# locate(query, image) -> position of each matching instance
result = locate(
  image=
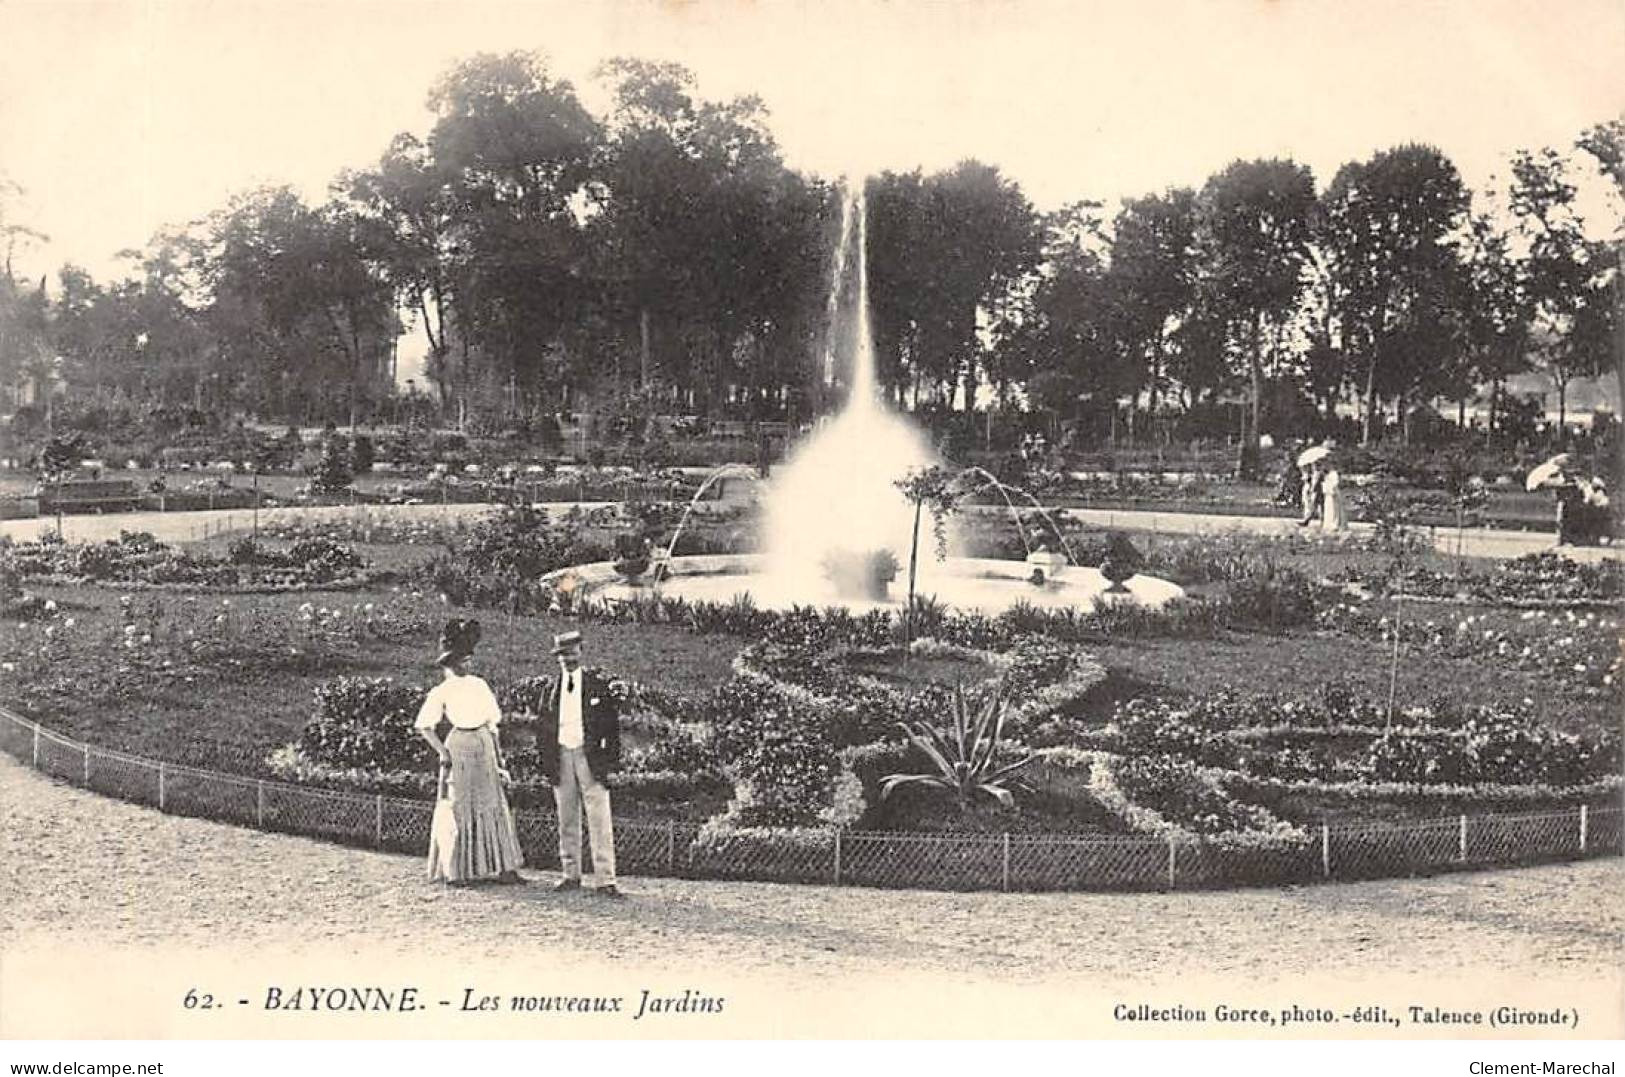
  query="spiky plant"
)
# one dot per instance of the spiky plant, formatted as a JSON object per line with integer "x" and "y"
{"x": 966, "y": 752}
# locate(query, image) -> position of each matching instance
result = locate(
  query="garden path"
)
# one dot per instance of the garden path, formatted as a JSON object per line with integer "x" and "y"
{"x": 183, "y": 526}
{"x": 87, "y": 870}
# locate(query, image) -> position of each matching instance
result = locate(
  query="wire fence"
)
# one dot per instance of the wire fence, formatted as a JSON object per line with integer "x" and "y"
{"x": 1028, "y": 862}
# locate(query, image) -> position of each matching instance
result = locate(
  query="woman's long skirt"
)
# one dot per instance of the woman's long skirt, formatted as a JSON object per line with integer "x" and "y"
{"x": 486, "y": 843}
{"x": 1335, "y": 516}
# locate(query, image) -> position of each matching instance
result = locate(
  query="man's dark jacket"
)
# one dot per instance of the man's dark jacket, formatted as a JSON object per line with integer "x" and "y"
{"x": 600, "y": 726}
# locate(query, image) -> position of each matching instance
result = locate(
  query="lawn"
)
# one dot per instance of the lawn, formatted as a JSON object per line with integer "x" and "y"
{"x": 248, "y": 686}
{"x": 252, "y": 689}
{"x": 222, "y": 680}
{"x": 1298, "y": 667}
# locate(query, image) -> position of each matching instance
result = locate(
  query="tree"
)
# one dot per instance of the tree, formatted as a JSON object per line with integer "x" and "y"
{"x": 412, "y": 202}
{"x": 13, "y": 233}
{"x": 655, "y": 187}
{"x": 927, "y": 488}
{"x": 706, "y": 245}
{"x": 986, "y": 237}
{"x": 514, "y": 151}
{"x": 57, "y": 460}
{"x": 1498, "y": 321}
{"x": 945, "y": 252}
{"x": 1568, "y": 325}
{"x": 1606, "y": 144}
{"x": 1252, "y": 237}
{"x": 334, "y": 471}
{"x": 1151, "y": 276}
{"x": 898, "y": 288}
{"x": 1387, "y": 229}
{"x": 298, "y": 303}
{"x": 1077, "y": 337}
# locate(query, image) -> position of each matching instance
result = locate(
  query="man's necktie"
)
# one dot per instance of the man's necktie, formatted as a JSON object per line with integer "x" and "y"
{"x": 569, "y": 682}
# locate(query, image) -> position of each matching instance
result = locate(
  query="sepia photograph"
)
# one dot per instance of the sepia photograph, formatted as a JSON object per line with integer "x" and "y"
{"x": 718, "y": 520}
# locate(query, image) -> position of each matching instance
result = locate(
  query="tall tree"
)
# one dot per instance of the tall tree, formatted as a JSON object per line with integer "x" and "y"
{"x": 945, "y": 252}
{"x": 706, "y": 237}
{"x": 517, "y": 150}
{"x": 1252, "y": 238}
{"x": 898, "y": 288}
{"x": 986, "y": 238}
{"x": 1152, "y": 263}
{"x": 1606, "y": 299}
{"x": 1076, "y": 335}
{"x": 298, "y": 305}
{"x": 1388, "y": 232}
{"x": 1568, "y": 331}
{"x": 413, "y": 203}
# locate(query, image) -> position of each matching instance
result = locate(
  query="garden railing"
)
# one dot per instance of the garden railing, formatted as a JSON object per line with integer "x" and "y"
{"x": 935, "y": 861}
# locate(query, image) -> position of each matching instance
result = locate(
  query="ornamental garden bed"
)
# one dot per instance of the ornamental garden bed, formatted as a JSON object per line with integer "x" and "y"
{"x": 138, "y": 559}
{"x": 756, "y": 723}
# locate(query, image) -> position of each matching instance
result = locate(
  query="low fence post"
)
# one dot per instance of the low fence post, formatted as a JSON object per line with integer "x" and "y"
{"x": 259, "y": 803}
{"x": 87, "y": 764}
{"x": 1325, "y": 851}
{"x": 378, "y": 821}
{"x": 1170, "y": 863}
{"x": 1005, "y": 874}
{"x": 1461, "y": 841}
{"x": 1583, "y": 822}
{"x": 671, "y": 846}
{"x": 163, "y": 776}
{"x": 36, "y": 745}
{"x": 837, "y": 856}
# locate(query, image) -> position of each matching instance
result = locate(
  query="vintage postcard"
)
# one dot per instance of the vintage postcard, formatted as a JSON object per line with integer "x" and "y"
{"x": 904, "y": 520}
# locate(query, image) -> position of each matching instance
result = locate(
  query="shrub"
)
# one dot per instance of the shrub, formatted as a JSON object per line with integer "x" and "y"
{"x": 365, "y": 722}
{"x": 1275, "y": 599}
{"x": 11, "y": 581}
{"x": 333, "y": 472}
{"x": 243, "y": 551}
{"x": 1177, "y": 790}
{"x": 776, "y": 750}
{"x": 323, "y": 559}
{"x": 1490, "y": 747}
{"x": 523, "y": 544}
{"x": 362, "y": 454}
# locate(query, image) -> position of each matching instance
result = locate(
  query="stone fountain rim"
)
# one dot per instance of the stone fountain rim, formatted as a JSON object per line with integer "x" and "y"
{"x": 593, "y": 573}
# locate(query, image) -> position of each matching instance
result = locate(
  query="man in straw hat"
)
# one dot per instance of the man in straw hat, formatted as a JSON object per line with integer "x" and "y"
{"x": 580, "y": 741}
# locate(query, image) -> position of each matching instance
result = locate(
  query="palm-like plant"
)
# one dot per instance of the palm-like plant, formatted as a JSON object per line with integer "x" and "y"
{"x": 966, "y": 754}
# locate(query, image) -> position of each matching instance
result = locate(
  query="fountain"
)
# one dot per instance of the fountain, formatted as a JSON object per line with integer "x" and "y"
{"x": 835, "y": 526}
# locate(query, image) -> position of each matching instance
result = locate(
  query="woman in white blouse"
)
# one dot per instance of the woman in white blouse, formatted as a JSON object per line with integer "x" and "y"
{"x": 486, "y": 843}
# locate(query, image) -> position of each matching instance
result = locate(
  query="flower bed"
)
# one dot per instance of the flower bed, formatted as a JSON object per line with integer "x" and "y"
{"x": 1535, "y": 580}
{"x": 1580, "y": 647}
{"x": 136, "y": 558}
{"x": 1342, "y": 747}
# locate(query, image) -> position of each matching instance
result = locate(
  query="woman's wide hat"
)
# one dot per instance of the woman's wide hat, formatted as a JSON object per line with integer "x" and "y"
{"x": 457, "y": 640}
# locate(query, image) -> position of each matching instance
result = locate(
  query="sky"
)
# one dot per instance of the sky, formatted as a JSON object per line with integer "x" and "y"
{"x": 119, "y": 117}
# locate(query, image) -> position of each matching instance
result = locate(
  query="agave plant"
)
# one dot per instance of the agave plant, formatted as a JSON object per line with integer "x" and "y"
{"x": 966, "y": 754}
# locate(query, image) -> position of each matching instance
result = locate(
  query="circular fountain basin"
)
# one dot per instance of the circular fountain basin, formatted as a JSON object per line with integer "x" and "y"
{"x": 966, "y": 583}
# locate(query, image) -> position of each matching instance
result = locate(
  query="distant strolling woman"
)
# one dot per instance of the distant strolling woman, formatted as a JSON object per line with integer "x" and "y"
{"x": 1310, "y": 493}
{"x": 1334, "y": 516}
{"x": 485, "y": 844}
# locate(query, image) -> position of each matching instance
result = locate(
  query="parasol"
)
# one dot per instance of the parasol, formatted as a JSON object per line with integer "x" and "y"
{"x": 1546, "y": 472}
{"x": 1313, "y": 454}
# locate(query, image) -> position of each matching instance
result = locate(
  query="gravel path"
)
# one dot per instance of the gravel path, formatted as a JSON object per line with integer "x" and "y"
{"x": 91, "y": 868}
{"x": 187, "y": 526}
